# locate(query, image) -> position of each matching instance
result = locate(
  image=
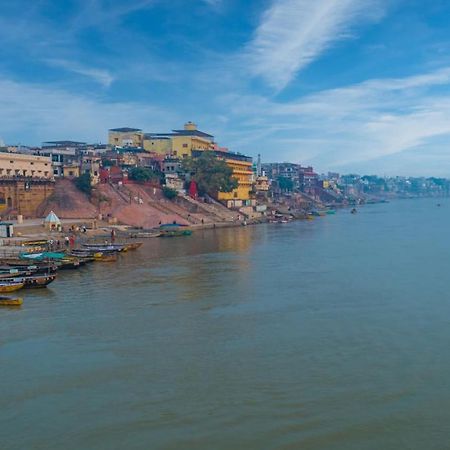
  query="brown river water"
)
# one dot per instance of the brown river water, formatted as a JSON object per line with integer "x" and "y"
{"x": 331, "y": 334}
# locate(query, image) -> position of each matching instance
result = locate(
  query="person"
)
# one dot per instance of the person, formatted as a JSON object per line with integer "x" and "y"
{"x": 67, "y": 241}
{"x": 203, "y": 221}
{"x": 72, "y": 241}
{"x": 113, "y": 235}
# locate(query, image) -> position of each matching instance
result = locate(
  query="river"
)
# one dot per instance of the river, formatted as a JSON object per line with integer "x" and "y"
{"x": 331, "y": 334}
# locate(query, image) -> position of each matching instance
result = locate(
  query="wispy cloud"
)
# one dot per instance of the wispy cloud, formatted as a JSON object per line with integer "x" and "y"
{"x": 57, "y": 114}
{"x": 293, "y": 33}
{"x": 101, "y": 76}
{"x": 353, "y": 127}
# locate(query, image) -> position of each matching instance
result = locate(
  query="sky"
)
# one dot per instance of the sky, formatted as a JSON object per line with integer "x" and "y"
{"x": 358, "y": 86}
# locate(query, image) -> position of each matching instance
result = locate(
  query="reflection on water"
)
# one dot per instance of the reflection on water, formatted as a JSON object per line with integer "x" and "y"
{"x": 323, "y": 335}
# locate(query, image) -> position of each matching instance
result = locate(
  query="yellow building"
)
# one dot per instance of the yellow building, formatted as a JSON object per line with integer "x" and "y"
{"x": 126, "y": 137}
{"x": 159, "y": 144}
{"x": 242, "y": 171}
{"x": 179, "y": 143}
{"x": 71, "y": 171}
{"x": 21, "y": 165}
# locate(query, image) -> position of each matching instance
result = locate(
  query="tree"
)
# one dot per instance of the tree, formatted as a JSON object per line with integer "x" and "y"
{"x": 285, "y": 184}
{"x": 83, "y": 183}
{"x": 211, "y": 174}
{"x": 142, "y": 174}
{"x": 169, "y": 193}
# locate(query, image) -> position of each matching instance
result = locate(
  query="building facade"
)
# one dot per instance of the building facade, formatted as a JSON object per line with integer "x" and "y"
{"x": 20, "y": 165}
{"x": 125, "y": 137}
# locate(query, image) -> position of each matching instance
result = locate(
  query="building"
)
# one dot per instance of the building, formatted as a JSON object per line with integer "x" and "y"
{"x": 19, "y": 165}
{"x": 126, "y": 137}
{"x": 262, "y": 184}
{"x": 309, "y": 180}
{"x": 179, "y": 143}
{"x": 90, "y": 164}
{"x": 242, "y": 171}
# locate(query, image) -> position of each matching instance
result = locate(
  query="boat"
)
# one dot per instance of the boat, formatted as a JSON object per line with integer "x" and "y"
{"x": 106, "y": 247}
{"x": 146, "y": 234}
{"x": 331, "y": 211}
{"x": 353, "y": 211}
{"x": 33, "y": 281}
{"x": 7, "y": 301}
{"x": 174, "y": 229}
{"x": 11, "y": 286}
{"x": 133, "y": 245}
{"x": 106, "y": 256}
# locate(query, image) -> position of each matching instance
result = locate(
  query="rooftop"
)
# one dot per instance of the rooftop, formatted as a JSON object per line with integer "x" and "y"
{"x": 63, "y": 143}
{"x": 125, "y": 130}
{"x": 225, "y": 155}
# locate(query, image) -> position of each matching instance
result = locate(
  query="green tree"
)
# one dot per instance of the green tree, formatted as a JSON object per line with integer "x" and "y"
{"x": 285, "y": 184}
{"x": 142, "y": 174}
{"x": 211, "y": 174}
{"x": 169, "y": 193}
{"x": 83, "y": 183}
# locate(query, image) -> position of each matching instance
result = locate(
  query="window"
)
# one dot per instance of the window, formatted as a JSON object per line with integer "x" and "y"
{"x": 55, "y": 172}
{"x": 185, "y": 146}
{"x": 32, "y": 163}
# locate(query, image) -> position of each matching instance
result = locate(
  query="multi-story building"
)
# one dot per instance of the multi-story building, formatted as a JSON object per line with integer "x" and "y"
{"x": 125, "y": 137}
{"x": 242, "y": 171}
{"x": 179, "y": 143}
{"x": 90, "y": 164}
{"x": 25, "y": 182}
{"x": 20, "y": 165}
{"x": 62, "y": 153}
{"x": 309, "y": 180}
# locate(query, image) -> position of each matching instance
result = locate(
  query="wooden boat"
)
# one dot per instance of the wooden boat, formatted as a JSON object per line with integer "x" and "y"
{"x": 133, "y": 245}
{"x": 33, "y": 281}
{"x": 23, "y": 266}
{"x": 174, "y": 229}
{"x": 68, "y": 263}
{"x": 11, "y": 286}
{"x": 105, "y": 257}
{"x": 106, "y": 247}
{"x": 146, "y": 234}
{"x": 7, "y": 301}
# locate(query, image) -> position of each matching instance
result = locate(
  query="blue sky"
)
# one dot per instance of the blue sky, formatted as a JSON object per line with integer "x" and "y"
{"x": 345, "y": 85}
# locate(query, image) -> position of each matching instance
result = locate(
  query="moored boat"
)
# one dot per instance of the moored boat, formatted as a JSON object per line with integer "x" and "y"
{"x": 10, "y": 286}
{"x": 133, "y": 245}
{"x": 33, "y": 281}
{"x": 7, "y": 301}
{"x": 174, "y": 229}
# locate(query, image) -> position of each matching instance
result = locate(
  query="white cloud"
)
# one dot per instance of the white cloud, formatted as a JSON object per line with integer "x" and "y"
{"x": 293, "y": 33}
{"x": 352, "y": 127}
{"x": 101, "y": 76}
{"x": 53, "y": 114}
